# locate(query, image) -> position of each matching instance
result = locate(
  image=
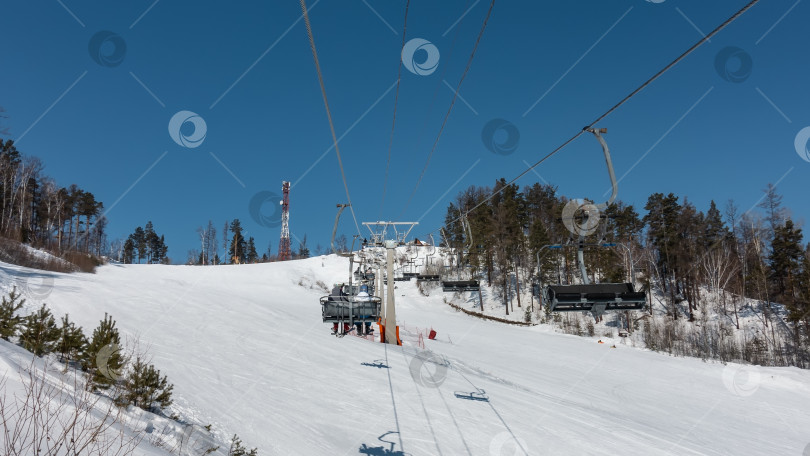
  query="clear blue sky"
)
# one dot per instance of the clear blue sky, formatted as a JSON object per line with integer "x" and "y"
{"x": 246, "y": 69}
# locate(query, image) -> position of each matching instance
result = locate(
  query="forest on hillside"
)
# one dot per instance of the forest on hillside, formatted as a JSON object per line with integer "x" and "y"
{"x": 35, "y": 210}
{"x": 676, "y": 249}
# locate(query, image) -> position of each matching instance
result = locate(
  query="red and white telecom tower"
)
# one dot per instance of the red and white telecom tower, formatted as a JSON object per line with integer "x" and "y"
{"x": 284, "y": 251}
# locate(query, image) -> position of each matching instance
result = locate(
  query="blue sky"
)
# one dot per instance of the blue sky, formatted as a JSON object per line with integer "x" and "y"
{"x": 549, "y": 68}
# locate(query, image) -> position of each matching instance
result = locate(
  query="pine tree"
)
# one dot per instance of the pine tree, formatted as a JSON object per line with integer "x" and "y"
{"x": 800, "y": 310}
{"x": 139, "y": 241}
{"x": 129, "y": 251}
{"x": 145, "y": 388}
{"x": 152, "y": 242}
{"x": 236, "y": 250}
{"x": 303, "y": 250}
{"x": 72, "y": 341}
{"x": 39, "y": 333}
{"x": 786, "y": 258}
{"x": 102, "y": 356}
{"x": 9, "y": 320}
{"x": 251, "y": 255}
{"x": 715, "y": 230}
{"x": 163, "y": 250}
{"x": 237, "y": 449}
{"x": 772, "y": 204}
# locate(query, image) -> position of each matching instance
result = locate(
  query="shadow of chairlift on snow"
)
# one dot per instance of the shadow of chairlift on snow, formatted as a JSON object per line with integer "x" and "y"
{"x": 378, "y": 363}
{"x": 479, "y": 395}
{"x": 382, "y": 451}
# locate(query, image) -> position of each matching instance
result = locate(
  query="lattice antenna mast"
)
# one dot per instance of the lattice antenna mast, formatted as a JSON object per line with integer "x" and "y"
{"x": 284, "y": 250}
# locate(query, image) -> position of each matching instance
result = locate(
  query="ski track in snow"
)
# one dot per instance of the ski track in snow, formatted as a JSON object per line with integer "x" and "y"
{"x": 247, "y": 352}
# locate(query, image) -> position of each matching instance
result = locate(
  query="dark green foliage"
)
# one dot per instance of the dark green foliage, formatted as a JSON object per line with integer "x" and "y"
{"x": 139, "y": 241}
{"x": 237, "y": 449}
{"x": 39, "y": 332}
{"x": 72, "y": 341}
{"x": 714, "y": 229}
{"x": 145, "y": 388}
{"x": 33, "y": 209}
{"x": 148, "y": 244}
{"x": 303, "y": 250}
{"x": 129, "y": 251}
{"x": 251, "y": 255}
{"x": 237, "y": 246}
{"x": 662, "y": 226}
{"x": 800, "y": 309}
{"x": 9, "y": 320}
{"x": 102, "y": 358}
{"x": 786, "y": 260}
{"x": 675, "y": 250}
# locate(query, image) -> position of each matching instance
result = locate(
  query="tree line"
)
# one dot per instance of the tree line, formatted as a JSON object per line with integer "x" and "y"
{"x": 236, "y": 248}
{"x": 35, "y": 210}
{"x": 675, "y": 247}
{"x": 145, "y": 243}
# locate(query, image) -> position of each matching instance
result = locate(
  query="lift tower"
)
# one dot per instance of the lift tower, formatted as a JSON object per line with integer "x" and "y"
{"x": 378, "y": 235}
{"x": 284, "y": 251}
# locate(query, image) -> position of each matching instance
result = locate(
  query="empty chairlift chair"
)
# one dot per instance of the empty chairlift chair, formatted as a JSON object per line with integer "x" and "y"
{"x": 429, "y": 277}
{"x": 592, "y": 297}
{"x": 595, "y": 298}
{"x": 462, "y": 285}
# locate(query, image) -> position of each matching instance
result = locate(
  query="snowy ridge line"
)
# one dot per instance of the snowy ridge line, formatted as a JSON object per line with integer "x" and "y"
{"x": 490, "y": 317}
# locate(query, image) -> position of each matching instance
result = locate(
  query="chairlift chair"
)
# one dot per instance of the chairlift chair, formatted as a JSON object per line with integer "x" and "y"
{"x": 342, "y": 307}
{"x": 429, "y": 277}
{"x": 592, "y": 297}
{"x": 462, "y": 285}
{"x": 346, "y": 304}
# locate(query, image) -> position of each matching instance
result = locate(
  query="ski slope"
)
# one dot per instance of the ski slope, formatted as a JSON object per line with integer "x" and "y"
{"x": 247, "y": 352}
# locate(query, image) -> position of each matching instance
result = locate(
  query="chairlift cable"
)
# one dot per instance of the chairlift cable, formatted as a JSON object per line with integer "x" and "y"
{"x": 305, "y": 13}
{"x": 396, "y": 101}
{"x": 440, "y": 81}
{"x": 617, "y": 105}
{"x": 450, "y": 109}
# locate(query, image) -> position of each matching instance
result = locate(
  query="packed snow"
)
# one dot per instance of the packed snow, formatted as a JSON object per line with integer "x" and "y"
{"x": 247, "y": 352}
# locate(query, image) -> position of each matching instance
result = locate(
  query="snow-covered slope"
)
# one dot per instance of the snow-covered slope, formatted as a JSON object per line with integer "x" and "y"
{"x": 247, "y": 352}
